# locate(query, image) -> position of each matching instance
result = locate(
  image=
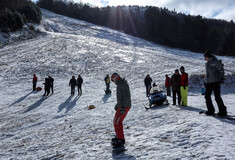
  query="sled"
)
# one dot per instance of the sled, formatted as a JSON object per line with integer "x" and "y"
{"x": 38, "y": 88}
{"x": 91, "y": 107}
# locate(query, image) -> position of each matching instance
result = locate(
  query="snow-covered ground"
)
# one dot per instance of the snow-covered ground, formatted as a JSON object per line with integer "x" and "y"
{"x": 61, "y": 127}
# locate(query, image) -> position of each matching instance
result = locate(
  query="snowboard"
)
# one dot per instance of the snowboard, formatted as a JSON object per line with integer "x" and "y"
{"x": 118, "y": 150}
{"x": 230, "y": 117}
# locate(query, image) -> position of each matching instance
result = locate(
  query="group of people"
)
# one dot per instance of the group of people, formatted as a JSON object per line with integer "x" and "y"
{"x": 73, "y": 83}
{"x": 178, "y": 83}
{"x": 48, "y": 85}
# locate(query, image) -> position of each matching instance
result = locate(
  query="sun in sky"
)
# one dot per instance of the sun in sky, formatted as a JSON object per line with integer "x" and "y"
{"x": 211, "y": 9}
{"x": 219, "y": 9}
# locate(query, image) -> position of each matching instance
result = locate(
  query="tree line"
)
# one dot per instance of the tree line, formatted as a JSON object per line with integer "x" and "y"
{"x": 155, "y": 24}
{"x": 15, "y": 13}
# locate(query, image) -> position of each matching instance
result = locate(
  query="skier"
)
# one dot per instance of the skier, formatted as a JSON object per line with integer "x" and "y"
{"x": 51, "y": 84}
{"x": 35, "y": 79}
{"x": 214, "y": 77}
{"x": 183, "y": 86}
{"x": 148, "y": 82}
{"x": 47, "y": 85}
{"x": 72, "y": 84}
{"x": 107, "y": 82}
{"x": 122, "y": 107}
{"x": 167, "y": 85}
{"x": 175, "y": 84}
{"x": 79, "y": 83}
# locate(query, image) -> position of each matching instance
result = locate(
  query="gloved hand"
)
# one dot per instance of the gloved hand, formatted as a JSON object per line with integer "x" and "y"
{"x": 184, "y": 87}
{"x": 123, "y": 111}
{"x": 222, "y": 81}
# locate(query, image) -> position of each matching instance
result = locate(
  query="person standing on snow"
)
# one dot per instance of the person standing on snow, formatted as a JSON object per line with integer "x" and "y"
{"x": 107, "y": 83}
{"x": 35, "y": 79}
{"x": 175, "y": 84}
{"x": 72, "y": 84}
{"x": 79, "y": 83}
{"x": 184, "y": 87}
{"x": 122, "y": 107}
{"x": 167, "y": 85}
{"x": 214, "y": 77}
{"x": 148, "y": 82}
{"x": 51, "y": 84}
{"x": 47, "y": 86}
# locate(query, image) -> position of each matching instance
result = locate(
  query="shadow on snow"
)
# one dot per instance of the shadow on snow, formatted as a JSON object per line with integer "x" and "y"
{"x": 36, "y": 104}
{"x": 106, "y": 97}
{"x": 189, "y": 108}
{"x": 21, "y": 99}
{"x": 68, "y": 104}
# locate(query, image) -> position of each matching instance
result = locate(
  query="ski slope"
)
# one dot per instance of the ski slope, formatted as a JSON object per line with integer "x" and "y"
{"x": 61, "y": 126}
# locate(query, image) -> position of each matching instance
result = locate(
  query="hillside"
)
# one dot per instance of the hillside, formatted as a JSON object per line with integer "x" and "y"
{"x": 61, "y": 127}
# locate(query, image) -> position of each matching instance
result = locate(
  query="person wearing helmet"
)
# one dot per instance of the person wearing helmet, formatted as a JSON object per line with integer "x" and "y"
{"x": 122, "y": 107}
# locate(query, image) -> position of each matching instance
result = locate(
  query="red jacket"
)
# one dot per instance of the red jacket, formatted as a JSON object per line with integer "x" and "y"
{"x": 167, "y": 81}
{"x": 184, "y": 79}
{"x": 35, "y": 78}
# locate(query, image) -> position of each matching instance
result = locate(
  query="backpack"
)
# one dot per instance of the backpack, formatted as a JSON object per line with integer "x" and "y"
{"x": 221, "y": 70}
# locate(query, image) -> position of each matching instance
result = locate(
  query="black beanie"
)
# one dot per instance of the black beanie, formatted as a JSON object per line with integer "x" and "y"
{"x": 207, "y": 54}
{"x": 182, "y": 68}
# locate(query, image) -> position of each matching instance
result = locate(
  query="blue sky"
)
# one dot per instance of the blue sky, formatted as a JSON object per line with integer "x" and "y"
{"x": 220, "y": 9}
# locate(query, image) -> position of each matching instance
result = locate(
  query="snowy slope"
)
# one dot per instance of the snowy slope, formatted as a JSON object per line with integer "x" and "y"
{"x": 61, "y": 127}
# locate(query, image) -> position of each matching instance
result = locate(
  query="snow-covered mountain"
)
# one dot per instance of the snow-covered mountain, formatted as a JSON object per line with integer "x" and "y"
{"x": 61, "y": 126}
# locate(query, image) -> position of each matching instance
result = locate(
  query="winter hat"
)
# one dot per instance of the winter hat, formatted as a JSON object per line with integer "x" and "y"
{"x": 182, "y": 68}
{"x": 115, "y": 76}
{"x": 207, "y": 54}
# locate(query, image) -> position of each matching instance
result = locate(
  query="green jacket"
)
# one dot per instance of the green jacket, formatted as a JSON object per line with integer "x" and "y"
{"x": 123, "y": 95}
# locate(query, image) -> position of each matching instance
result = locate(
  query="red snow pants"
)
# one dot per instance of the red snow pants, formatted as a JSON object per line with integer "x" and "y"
{"x": 117, "y": 122}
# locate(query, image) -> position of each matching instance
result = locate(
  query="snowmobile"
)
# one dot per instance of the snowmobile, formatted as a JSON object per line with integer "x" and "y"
{"x": 157, "y": 97}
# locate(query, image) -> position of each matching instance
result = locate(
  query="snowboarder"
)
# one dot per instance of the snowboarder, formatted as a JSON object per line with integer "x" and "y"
{"x": 72, "y": 84}
{"x": 107, "y": 82}
{"x": 35, "y": 79}
{"x": 148, "y": 82}
{"x": 175, "y": 84}
{"x": 183, "y": 86}
{"x": 214, "y": 77}
{"x": 167, "y": 85}
{"x": 79, "y": 83}
{"x": 122, "y": 107}
{"x": 51, "y": 83}
{"x": 47, "y": 86}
